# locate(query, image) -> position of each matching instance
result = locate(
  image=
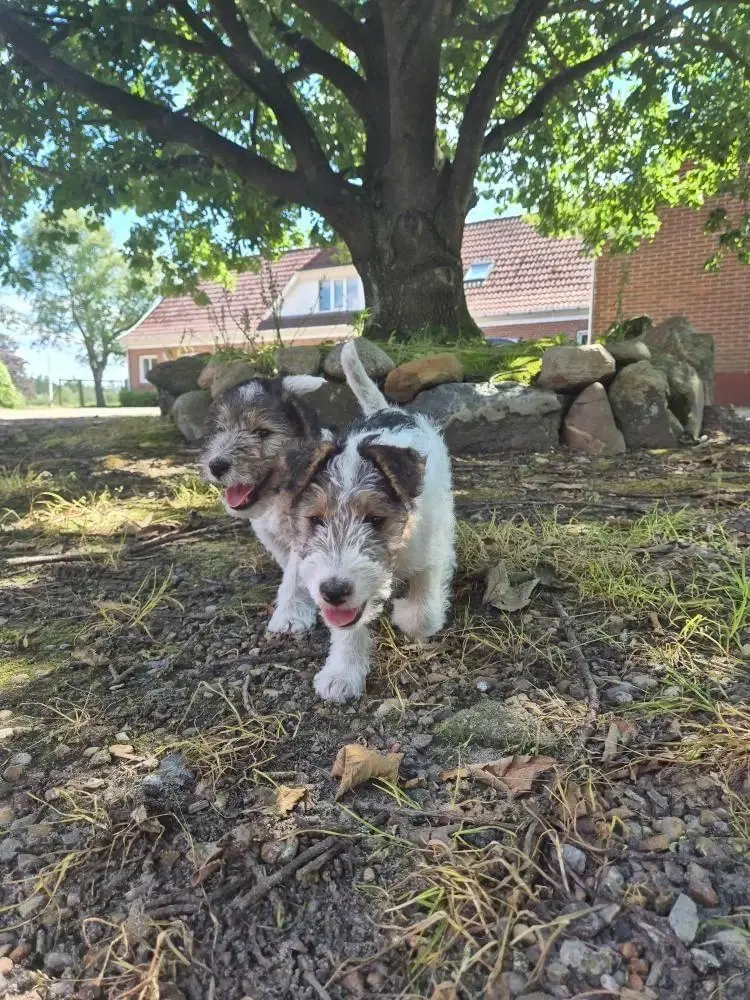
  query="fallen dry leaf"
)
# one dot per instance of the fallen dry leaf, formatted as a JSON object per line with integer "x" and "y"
{"x": 149, "y": 824}
{"x": 123, "y": 751}
{"x": 509, "y": 774}
{"x": 507, "y": 595}
{"x": 288, "y": 796}
{"x": 356, "y": 764}
{"x": 444, "y": 991}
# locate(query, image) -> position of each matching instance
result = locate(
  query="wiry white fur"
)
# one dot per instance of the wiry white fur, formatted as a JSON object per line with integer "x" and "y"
{"x": 426, "y": 562}
{"x": 369, "y": 397}
{"x": 295, "y": 611}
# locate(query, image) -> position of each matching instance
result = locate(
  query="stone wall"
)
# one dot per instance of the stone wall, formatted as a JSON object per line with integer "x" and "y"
{"x": 648, "y": 391}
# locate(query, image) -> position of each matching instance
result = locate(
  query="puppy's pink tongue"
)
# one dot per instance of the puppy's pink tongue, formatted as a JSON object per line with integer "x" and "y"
{"x": 340, "y": 616}
{"x": 239, "y": 496}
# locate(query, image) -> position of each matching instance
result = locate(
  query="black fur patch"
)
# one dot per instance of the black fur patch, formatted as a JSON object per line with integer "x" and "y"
{"x": 402, "y": 469}
{"x": 383, "y": 420}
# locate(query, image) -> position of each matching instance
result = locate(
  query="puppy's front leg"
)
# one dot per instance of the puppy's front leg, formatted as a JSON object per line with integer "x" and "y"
{"x": 295, "y": 609}
{"x": 344, "y": 672}
{"x": 422, "y": 612}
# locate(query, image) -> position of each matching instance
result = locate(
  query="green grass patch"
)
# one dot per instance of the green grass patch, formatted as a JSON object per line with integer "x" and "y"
{"x": 108, "y": 512}
{"x": 139, "y": 436}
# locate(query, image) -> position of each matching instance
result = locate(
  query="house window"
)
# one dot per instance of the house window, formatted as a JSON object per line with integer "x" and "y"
{"x": 582, "y": 337}
{"x": 145, "y": 363}
{"x": 477, "y": 271}
{"x": 338, "y": 295}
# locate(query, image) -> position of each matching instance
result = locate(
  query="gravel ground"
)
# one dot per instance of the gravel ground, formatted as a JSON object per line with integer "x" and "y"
{"x": 570, "y": 816}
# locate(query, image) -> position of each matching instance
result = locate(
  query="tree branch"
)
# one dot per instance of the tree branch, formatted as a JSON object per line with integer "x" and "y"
{"x": 315, "y": 60}
{"x": 158, "y": 121}
{"x": 705, "y": 39}
{"x": 506, "y": 52}
{"x": 337, "y": 22}
{"x": 250, "y": 64}
{"x": 479, "y": 30}
{"x": 496, "y": 138}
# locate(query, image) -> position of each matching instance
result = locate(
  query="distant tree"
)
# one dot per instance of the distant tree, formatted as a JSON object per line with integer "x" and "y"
{"x": 15, "y": 363}
{"x": 81, "y": 288}
{"x": 10, "y": 397}
{"x": 219, "y": 121}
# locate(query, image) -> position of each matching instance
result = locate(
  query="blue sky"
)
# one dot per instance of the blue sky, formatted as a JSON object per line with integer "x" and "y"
{"x": 61, "y": 363}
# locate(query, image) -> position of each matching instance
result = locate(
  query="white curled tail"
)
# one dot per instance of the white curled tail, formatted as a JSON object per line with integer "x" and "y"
{"x": 369, "y": 397}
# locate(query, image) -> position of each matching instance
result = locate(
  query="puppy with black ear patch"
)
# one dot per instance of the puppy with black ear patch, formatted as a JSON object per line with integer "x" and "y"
{"x": 250, "y": 429}
{"x": 370, "y": 509}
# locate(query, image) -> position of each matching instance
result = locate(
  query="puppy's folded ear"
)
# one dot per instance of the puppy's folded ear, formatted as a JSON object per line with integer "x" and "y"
{"x": 304, "y": 465}
{"x": 301, "y": 385}
{"x": 401, "y": 468}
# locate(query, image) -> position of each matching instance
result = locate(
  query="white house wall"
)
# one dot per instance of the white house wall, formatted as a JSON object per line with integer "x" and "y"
{"x": 301, "y": 298}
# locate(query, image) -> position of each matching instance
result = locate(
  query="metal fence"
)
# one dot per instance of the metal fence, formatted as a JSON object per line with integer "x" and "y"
{"x": 79, "y": 392}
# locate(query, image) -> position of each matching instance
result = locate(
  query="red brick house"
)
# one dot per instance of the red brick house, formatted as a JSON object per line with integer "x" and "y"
{"x": 518, "y": 284}
{"x": 666, "y": 276}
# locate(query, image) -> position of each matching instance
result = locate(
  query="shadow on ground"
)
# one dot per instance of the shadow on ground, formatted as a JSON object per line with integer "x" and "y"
{"x": 167, "y": 804}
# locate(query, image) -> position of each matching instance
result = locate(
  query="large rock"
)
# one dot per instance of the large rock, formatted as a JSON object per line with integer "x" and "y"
{"x": 376, "y": 361}
{"x": 408, "y": 380}
{"x": 504, "y": 725}
{"x": 590, "y": 425}
{"x": 227, "y": 374}
{"x": 180, "y": 375}
{"x": 336, "y": 405}
{"x": 686, "y": 393}
{"x": 189, "y": 413}
{"x": 676, "y": 336}
{"x": 627, "y": 352}
{"x": 493, "y": 418}
{"x": 570, "y": 367}
{"x": 298, "y": 360}
{"x": 639, "y": 400}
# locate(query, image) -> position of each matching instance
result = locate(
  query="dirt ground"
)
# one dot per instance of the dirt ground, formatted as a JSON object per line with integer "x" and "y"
{"x": 571, "y": 812}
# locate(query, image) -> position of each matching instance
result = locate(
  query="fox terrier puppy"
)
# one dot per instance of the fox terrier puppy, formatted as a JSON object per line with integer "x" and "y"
{"x": 370, "y": 509}
{"x": 250, "y": 429}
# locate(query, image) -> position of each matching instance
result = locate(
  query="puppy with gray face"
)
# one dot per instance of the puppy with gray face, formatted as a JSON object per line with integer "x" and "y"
{"x": 250, "y": 429}
{"x": 368, "y": 510}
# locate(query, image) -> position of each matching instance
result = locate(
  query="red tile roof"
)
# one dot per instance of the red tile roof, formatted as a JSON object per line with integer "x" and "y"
{"x": 530, "y": 274}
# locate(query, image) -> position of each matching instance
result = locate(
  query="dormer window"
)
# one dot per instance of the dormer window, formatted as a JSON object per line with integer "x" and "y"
{"x": 338, "y": 295}
{"x": 477, "y": 272}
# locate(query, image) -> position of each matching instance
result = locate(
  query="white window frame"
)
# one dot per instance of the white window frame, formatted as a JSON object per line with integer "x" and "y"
{"x": 489, "y": 264}
{"x": 582, "y": 338}
{"x": 349, "y": 285}
{"x": 142, "y": 371}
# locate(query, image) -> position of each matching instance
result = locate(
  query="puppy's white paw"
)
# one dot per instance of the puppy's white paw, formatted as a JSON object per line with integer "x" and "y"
{"x": 296, "y": 620}
{"x": 333, "y": 685}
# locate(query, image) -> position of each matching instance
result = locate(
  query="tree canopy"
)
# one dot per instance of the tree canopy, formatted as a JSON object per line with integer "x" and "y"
{"x": 81, "y": 288}
{"x": 218, "y": 122}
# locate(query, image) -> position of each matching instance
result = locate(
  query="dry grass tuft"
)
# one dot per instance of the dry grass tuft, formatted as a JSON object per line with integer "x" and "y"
{"x": 137, "y": 958}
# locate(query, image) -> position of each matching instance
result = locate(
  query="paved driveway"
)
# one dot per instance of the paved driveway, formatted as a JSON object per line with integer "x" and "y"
{"x": 77, "y": 412}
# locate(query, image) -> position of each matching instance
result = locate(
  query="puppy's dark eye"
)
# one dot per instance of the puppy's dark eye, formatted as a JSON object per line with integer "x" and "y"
{"x": 374, "y": 521}
{"x": 262, "y": 433}
{"x": 316, "y": 522}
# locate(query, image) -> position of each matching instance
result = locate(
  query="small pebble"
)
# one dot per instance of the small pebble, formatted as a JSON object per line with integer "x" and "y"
{"x": 6, "y": 966}
{"x": 683, "y": 919}
{"x": 57, "y": 962}
{"x": 574, "y": 858}
{"x": 672, "y": 827}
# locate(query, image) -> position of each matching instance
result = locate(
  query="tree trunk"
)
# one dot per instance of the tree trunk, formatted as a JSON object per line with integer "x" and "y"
{"x": 99, "y": 389}
{"x": 413, "y": 278}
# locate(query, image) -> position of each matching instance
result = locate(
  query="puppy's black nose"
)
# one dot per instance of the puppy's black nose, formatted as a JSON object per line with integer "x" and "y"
{"x": 335, "y": 591}
{"x": 219, "y": 466}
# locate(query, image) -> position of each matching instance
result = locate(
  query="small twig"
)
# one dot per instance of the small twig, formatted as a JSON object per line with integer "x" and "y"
{"x": 165, "y": 539}
{"x": 60, "y": 557}
{"x": 448, "y": 816}
{"x": 589, "y": 723}
{"x": 246, "y": 695}
{"x": 312, "y": 979}
{"x": 331, "y": 845}
{"x": 173, "y": 910}
{"x": 121, "y": 677}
